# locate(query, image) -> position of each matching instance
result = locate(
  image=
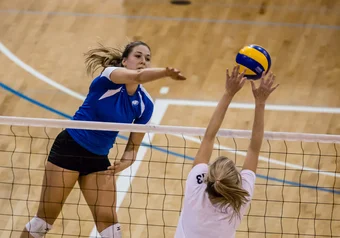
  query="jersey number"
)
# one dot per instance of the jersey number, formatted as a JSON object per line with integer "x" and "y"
{"x": 200, "y": 178}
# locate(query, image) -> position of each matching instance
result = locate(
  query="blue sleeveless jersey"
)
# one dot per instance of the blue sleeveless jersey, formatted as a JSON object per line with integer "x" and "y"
{"x": 109, "y": 102}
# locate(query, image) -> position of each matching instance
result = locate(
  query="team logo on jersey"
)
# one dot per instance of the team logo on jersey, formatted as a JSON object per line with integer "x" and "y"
{"x": 135, "y": 102}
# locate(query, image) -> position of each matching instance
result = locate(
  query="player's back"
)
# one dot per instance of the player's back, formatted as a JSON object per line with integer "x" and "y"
{"x": 199, "y": 217}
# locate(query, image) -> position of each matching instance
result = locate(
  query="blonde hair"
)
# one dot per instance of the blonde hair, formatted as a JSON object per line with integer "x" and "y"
{"x": 224, "y": 185}
{"x": 104, "y": 56}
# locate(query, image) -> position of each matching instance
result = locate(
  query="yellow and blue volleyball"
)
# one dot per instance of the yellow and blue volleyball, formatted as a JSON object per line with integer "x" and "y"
{"x": 254, "y": 59}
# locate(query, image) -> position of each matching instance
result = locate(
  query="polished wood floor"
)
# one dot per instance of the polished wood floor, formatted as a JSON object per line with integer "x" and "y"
{"x": 201, "y": 39}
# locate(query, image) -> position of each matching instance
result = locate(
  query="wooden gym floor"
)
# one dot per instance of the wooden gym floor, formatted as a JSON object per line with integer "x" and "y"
{"x": 45, "y": 40}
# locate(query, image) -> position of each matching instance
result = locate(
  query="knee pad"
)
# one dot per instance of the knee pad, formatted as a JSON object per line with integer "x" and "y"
{"x": 112, "y": 232}
{"x": 37, "y": 227}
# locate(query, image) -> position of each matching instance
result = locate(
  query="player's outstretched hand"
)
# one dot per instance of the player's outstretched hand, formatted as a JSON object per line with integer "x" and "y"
{"x": 262, "y": 92}
{"x": 175, "y": 74}
{"x": 235, "y": 81}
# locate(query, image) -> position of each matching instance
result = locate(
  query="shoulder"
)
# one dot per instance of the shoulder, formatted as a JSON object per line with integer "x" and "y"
{"x": 103, "y": 82}
{"x": 195, "y": 183}
{"x": 107, "y": 71}
{"x": 247, "y": 174}
{"x": 200, "y": 168}
{"x": 196, "y": 175}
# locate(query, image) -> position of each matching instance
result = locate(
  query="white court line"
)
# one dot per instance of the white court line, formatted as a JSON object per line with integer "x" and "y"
{"x": 38, "y": 75}
{"x": 270, "y": 107}
{"x": 262, "y": 158}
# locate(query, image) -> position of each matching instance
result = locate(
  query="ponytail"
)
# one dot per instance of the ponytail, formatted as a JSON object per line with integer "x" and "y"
{"x": 224, "y": 186}
{"x": 102, "y": 57}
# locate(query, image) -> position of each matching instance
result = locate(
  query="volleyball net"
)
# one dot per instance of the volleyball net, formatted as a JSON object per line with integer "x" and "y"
{"x": 297, "y": 190}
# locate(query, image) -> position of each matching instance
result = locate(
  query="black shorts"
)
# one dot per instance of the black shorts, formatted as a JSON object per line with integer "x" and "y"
{"x": 68, "y": 154}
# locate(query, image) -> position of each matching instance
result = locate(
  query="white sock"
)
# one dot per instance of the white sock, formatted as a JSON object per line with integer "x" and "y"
{"x": 112, "y": 232}
{"x": 37, "y": 227}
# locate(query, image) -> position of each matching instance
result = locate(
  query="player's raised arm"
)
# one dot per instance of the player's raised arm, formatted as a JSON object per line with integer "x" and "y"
{"x": 260, "y": 94}
{"x": 234, "y": 83}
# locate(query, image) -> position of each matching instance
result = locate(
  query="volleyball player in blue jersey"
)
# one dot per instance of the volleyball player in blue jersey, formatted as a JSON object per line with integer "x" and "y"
{"x": 116, "y": 95}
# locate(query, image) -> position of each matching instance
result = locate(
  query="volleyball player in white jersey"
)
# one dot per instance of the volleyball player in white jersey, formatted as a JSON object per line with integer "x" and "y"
{"x": 217, "y": 195}
{"x": 115, "y": 95}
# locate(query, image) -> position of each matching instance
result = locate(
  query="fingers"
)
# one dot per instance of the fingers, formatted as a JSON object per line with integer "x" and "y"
{"x": 113, "y": 168}
{"x": 241, "y": 75}
{"x": 172, "y": 70}
{"x": 274, "y": 88}
{"x": 236, "y": 81}
{"x": 271, "y": 80}
{"x": 181, "y": 77}
{"x": 243, "y": 81}
{"x": 267, "y": 83}
{"x": 253, "y": 87}
{"x": 267, "y": 80}
{"x": 236, "y": 71}
{"x": 175, "y": 74}
{"x": 110, "y": 170}
{"x": 235, "y": 75}
{"x": 262, "y": 79}
{"x": 227, "y": 74}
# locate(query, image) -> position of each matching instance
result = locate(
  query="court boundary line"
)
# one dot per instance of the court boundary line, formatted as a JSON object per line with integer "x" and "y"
{"x": 269, "y": 107}
{"x": 37, "y": 74}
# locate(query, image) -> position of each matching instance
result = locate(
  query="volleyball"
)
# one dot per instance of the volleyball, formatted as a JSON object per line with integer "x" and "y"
{"x": 254, "y": 59}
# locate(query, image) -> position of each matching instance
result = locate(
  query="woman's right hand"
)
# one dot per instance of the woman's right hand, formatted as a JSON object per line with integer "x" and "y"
{"x": 174, "y": 74}
{"x": 235, "y": 81}
{"x": 265, "y": 89}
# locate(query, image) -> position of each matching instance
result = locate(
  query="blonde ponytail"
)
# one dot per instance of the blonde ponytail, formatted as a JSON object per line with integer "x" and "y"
{"x": 102, "y": 57}
{"x": 224, "y": 186}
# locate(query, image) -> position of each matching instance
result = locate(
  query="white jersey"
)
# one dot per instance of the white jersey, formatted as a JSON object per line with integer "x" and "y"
{"x": 199, "y": 217}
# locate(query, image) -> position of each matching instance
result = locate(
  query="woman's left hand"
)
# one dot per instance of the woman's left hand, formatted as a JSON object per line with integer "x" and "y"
{"x": 113, "y": 169}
